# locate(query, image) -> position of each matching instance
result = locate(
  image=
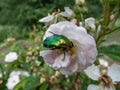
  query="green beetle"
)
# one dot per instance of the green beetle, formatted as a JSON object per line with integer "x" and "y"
{"x": 58, "y": 42}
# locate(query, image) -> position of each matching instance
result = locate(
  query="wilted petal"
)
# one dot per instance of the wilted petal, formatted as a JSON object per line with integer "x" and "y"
{"x": 68, "y": 12}
{"x": 90, "y": 22}
{"x": 47, "y": 19}
{"x": 114, "y": 72}
{"x": 64, "y": 14}
{"x": 93, "y": 72}
{"x": 93, "y": 87}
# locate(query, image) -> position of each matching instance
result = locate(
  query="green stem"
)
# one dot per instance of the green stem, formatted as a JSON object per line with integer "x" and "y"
{"x": 106, "y": 14}
{"x": 76, "y": 83}
{"x": 105, "y": 22}
{"x": 112, "y": 30}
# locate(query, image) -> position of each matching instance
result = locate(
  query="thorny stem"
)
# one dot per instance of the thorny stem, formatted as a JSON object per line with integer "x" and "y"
{"x": 76, "y": 83}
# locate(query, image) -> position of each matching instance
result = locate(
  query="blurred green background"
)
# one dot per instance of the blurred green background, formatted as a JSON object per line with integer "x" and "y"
{"x": 17, "y": 17}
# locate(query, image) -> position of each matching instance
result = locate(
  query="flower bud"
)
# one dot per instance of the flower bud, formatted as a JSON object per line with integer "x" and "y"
{"x": 112, "y": 16}
{"x": 53, "y": 79}
{"x": 42, "y": 79}
{"x": 30, "y": 53}
{"x": 80, "y": 2}
{"x": 74, "y": 21}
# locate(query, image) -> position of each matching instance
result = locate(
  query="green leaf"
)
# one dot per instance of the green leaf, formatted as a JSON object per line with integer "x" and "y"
{"x": 113, "y": 51}
{"x": 44, "y": 86}
{"x": 29, "y": 83}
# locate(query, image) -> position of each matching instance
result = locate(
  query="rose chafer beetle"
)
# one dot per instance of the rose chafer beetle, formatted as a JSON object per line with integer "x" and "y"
{"x": 58, "y": 42}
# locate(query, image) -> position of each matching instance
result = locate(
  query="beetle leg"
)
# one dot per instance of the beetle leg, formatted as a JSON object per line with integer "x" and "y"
{"x": 63, "y": 57}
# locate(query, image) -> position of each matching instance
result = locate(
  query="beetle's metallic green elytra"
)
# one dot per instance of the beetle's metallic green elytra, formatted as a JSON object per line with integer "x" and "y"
{"x": 58, "y": 42}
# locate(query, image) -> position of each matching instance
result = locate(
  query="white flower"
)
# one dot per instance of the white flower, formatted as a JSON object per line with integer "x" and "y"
{"x": 14, "y": 78}
{"x": 113, "y": 72}
{"x": 12, "y": 56}
{"x": 90, "y": 23}
{"x": 24, "y": 73}
{"x": 67, "y": 13}
{"x": 79, "y": 57}
{"x": 12, "y": 81}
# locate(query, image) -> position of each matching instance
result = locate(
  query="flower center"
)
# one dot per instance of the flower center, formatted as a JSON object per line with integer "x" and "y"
{"x": 72, "y": 50}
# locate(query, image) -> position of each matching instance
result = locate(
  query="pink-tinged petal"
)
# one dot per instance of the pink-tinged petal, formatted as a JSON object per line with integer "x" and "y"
{"x": 61, "y": 61}
{"x": 87, "y": 50}
{"x": 49, "y": 56}
{"x": 67, "y": 29}
{"x": 81, "y": 57}
{"x": 114, "y": 72}
{"x": 72, "y": 67}
{"x": 90, "y": 56}
{"x": 74, "y": 33}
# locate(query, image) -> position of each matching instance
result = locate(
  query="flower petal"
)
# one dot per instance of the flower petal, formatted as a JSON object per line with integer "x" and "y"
{"x": 67, "y": 13}
{"x": 67, "y": 29}
{"x": 61, "y": 61}
{"x": 72, "y": 67}
{"x": 49, "y": 56}
{"x": 92, "y": 72}
{"x": 114, "y": 72}
{"x": 64, "y": 14}
{"x": 47, "y": 19}
{"x": 68, "y": 10}
{"x": 90, "y": 22}
{"x": 93, "y": 87}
